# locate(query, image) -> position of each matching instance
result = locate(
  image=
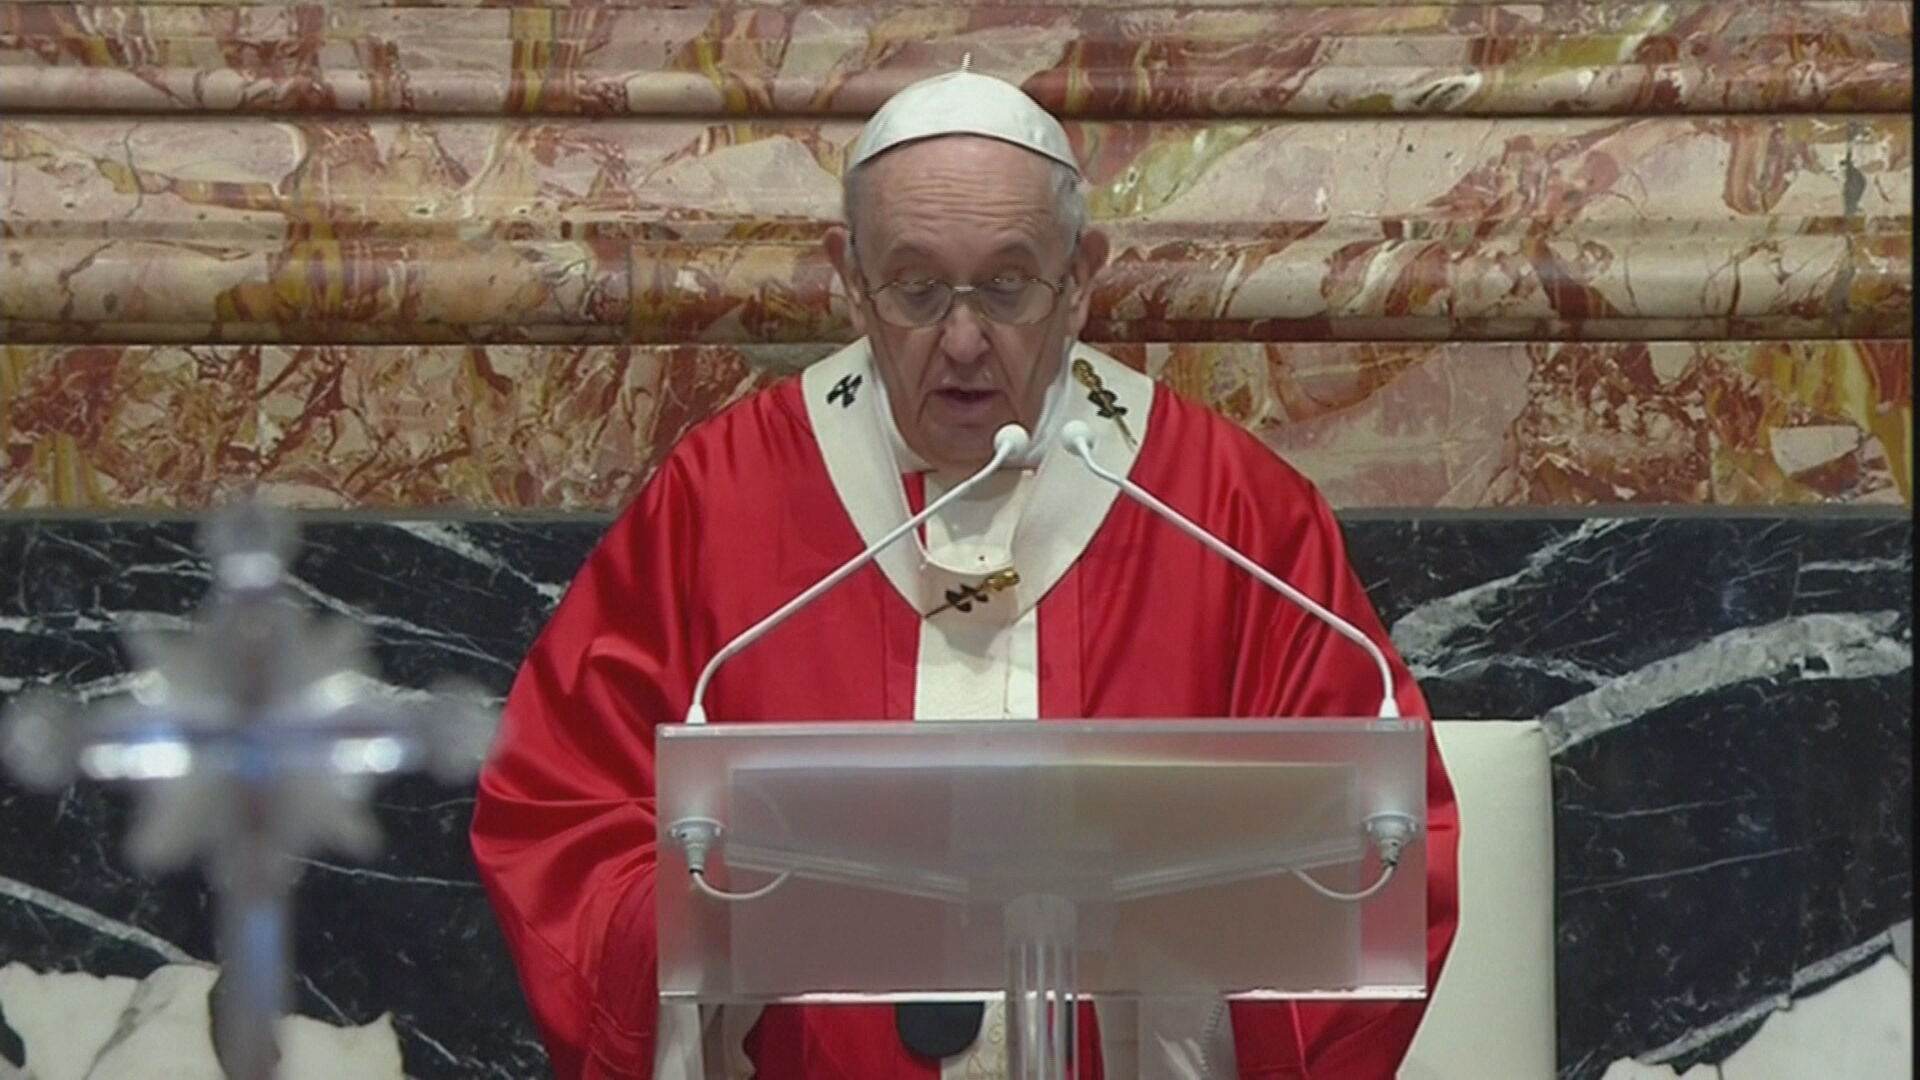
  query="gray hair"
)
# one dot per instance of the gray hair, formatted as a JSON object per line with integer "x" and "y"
{"x": 1069, "y": 199}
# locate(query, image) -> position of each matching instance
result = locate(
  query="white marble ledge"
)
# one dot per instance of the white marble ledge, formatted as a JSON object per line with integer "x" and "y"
{"x": 77, "y": 1026}
{"x": 1860, "y": 1028}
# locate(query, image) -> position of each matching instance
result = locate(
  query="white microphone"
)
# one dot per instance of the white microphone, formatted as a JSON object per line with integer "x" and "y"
{"x": 1078, "y": 439}
{"x": 1009, "y": 442}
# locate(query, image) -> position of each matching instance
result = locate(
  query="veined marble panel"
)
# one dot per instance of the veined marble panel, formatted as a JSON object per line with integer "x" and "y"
{"x": 335, "y": 229}
{"x": 1144, "y": 61}
{"x": 563, "y": 427}
{"x": 1859, "y": 1027}
{"x": 1730, "y": 699}
{"x": 1777, "y": 420}
{"x": 507, "y": 427}
{"x": 1558, "y": 424}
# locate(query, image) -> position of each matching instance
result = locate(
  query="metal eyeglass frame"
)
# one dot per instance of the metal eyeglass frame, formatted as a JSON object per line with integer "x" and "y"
{"x": 954, "y": 292}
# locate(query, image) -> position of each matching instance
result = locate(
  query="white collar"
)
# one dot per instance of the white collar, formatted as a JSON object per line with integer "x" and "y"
{"x": 1059, "y": 517}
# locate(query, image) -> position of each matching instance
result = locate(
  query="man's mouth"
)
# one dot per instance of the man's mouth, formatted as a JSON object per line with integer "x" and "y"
{"x": 965, "y": 400}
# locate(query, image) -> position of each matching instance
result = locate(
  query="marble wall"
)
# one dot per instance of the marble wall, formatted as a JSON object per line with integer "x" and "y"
{"x": 1631, "y": 282}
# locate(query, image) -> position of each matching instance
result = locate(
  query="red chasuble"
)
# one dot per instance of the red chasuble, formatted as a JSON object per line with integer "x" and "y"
{"x": 1116, "y": 615}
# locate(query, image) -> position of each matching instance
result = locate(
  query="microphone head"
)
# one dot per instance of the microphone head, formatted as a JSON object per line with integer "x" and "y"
{"x": 1077, "y": 437}
{"x": 1010, "y": 442}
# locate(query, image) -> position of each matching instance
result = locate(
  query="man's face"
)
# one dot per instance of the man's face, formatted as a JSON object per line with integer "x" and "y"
{"x": 966, "y": 211}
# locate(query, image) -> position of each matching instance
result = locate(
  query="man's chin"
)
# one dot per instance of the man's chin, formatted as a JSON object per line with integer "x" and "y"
{"x": 961, "y": 451}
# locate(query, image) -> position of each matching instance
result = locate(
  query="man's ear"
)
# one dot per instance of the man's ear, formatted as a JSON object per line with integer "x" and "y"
{"x": 1089, "y": 258}
{"x": 839, "y": 245}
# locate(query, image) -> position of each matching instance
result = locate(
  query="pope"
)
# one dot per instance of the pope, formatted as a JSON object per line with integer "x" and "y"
{"x": 969, "y": 264}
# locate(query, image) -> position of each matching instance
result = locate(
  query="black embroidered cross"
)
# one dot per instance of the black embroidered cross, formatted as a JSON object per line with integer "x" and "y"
{"x": 963, "y": 598}
{"x": 1103, "y": 399}
{"x": 844, "y": 390}
{"x": 1109, "y": 405}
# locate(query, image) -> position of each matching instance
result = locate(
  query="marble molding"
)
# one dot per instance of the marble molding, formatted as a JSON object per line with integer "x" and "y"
{"x": 331, "y": 229}
{"x": 1078, "y": 60}
{"x": 1729, "y": 699}
{"x": 511, "y": 427}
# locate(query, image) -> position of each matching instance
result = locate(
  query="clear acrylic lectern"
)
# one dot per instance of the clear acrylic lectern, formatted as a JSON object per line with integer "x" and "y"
{"x": 1043, "y": 862}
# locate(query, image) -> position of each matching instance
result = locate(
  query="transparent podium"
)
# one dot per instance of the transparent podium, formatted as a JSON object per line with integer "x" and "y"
{"x": 1043, "y": 863}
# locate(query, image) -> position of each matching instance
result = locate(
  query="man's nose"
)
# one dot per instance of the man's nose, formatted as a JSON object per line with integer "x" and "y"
{"x": 963, "y": 333}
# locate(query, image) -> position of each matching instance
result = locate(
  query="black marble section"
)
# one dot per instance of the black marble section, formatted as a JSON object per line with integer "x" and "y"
{"x": 1730, "y": 700}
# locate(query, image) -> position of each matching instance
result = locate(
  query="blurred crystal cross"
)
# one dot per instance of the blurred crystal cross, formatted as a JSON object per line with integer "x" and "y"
{"x": 255, "y": 739}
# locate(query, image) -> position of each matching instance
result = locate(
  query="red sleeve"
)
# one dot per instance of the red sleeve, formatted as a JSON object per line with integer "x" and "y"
{"x": 563, "y": 828}
{"x": 1323, "y": 674}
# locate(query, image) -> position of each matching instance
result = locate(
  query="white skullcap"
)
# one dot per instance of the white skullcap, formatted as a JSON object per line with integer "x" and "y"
{"x": 963, "y": 103}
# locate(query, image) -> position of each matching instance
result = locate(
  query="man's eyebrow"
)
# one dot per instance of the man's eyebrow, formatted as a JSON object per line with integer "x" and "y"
{"x": 908, "y": 251}
{"x": 1021, "y": 246}
{"x": 1016, "y": 247}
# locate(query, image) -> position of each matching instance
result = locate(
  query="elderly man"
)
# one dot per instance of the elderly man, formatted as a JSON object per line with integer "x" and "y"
{"x": 969, "y": 265}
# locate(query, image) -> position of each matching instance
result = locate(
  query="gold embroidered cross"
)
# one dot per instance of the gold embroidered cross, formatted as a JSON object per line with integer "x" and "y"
{"x": 963, "y": 598}
{"x": 1104, "y": 399}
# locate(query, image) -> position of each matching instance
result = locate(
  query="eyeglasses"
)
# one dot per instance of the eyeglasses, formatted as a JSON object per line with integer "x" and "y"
{"x": 1015, "y": 299}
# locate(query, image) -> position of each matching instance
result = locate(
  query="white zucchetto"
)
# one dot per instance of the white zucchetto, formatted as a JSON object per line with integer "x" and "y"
{"x": 963, "y": 103}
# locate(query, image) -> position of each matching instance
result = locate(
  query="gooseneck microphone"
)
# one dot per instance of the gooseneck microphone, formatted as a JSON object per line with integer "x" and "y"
{"x": 1078, "y": 439}
{"x": 1009, "y": 442}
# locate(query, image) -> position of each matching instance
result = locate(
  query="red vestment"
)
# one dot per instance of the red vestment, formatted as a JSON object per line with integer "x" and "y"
{"x": 743, "y": 515}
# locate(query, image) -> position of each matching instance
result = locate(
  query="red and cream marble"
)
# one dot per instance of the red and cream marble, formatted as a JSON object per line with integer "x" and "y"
{"x": 512, "y": 427}
{"x": 1570, "y": 424}
{"x": 1814, "y": 422}
{"x": 521, "y": 428}
{"x": 1087, "y": 59}
{"x": 389, "y": 230}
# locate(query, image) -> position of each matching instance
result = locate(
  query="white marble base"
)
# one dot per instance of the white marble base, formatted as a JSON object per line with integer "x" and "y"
{"x": 85, "y": 1027}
